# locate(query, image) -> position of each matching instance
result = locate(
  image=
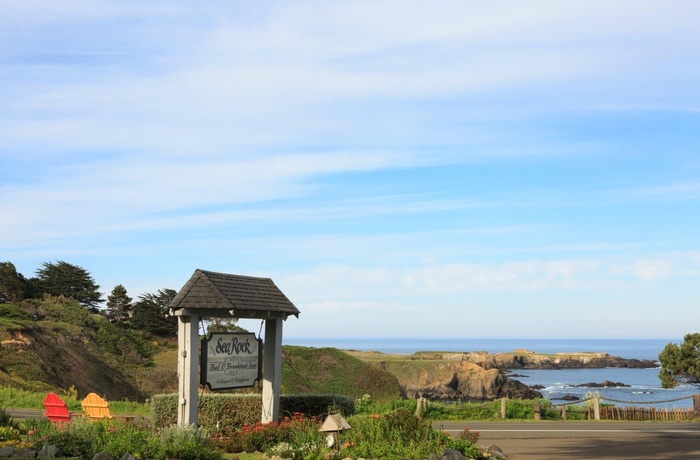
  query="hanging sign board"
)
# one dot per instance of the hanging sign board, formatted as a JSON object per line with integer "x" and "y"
{"x": 230, "y": 360}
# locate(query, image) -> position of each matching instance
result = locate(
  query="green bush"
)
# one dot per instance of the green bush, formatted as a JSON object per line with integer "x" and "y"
{"x": 14, "y": 311}
{"x": 80, "y": 438}
{"x": 296, "y": 437}
{"x": 316, "y": 405}
{"x": 184, "y": 443}
{"x": 399, "y": 434}
{"x": 60, "y": 308}
{"x": 521, "y": 409}
{"x": 463, "y": 411}
{"x": 7, "y": 421}
{"x": 8, "y": 433}
{"x": 367, "y": 405}
{"x": 217, "y": 412}
{"x": 83, "y": 438}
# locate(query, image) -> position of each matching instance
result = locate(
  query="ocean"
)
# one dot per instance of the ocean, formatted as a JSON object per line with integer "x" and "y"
{"x": 644, "y": 390}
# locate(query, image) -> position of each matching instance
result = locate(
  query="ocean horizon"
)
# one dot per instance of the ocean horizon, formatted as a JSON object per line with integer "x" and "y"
{"x": 624, "y": 348}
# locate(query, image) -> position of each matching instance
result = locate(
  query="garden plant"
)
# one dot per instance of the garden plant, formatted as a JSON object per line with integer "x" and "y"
{"x": 379, "y": 429}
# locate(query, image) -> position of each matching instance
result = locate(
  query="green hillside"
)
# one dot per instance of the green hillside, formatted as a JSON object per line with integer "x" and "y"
{"x": 56, "y": 343}
{"x": 71, "y": 347}
{"x": 329, "y": 370}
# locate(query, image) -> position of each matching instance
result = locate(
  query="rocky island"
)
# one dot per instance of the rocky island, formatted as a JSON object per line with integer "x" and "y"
{"x": 481, "y": 376}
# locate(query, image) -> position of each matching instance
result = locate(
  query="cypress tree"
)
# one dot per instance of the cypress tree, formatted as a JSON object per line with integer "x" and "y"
{"x": 70, "y": 281}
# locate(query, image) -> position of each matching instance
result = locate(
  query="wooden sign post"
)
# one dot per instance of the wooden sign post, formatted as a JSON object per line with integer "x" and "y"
{"x": 237, "y": 359}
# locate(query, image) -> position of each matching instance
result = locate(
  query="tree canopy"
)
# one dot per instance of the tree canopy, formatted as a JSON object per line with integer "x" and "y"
{"x": 150, "y": 313}
{"x": 681, "y": 364}
{"x": 13, "y": 286}
{"x": 118, "y": 305}
{"x": 62, "y": 278}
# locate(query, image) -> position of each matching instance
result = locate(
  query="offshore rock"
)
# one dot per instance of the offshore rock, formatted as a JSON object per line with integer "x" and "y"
{"x": 567, "y": 398}
{"x": 606, "y": 384}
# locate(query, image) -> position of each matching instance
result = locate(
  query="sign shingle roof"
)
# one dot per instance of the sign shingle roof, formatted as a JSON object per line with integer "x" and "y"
{"x": 222, "y": 291}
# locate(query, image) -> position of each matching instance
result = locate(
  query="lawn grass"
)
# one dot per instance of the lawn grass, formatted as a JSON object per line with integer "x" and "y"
{"x": 14, "y": 398}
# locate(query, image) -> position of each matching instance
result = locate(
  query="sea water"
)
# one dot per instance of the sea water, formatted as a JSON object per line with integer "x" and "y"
{"x": 631, "y": 348}
{"x": 644, "y": 390}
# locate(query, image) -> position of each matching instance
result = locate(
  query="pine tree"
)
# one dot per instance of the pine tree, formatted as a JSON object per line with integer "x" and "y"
{"x": 119, "y": 305}
{"x": 681, "y": 364}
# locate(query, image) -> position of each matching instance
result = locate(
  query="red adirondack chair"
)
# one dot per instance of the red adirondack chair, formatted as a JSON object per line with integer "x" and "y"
{"x": 56, "y": 409}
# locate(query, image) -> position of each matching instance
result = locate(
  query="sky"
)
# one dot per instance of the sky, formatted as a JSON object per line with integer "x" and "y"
{"x": 446, "y": 169}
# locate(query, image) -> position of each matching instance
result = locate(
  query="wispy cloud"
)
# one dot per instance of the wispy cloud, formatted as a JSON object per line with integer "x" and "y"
{"x": 370, "y": 155}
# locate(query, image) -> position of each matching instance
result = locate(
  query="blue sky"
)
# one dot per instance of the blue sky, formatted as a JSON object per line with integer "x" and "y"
{"x": 496, "y": 169}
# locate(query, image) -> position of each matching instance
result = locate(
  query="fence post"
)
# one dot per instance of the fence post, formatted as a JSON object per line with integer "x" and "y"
{"x": 563, "y": 412}
{"x": 536, "y": 408}
{"x": 504, "y": 403}
{"x": 596, "y": 408}
{"x": 696, "y": 406}
{"x": 421, "y": 405}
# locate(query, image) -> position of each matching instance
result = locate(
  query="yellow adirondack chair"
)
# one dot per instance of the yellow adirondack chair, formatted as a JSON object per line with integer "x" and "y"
{"x": 95, "y": 407}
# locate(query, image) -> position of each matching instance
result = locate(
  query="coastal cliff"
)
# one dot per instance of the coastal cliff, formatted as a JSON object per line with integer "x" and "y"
{"x": 435, "y": 378}
{"x": 480, "y": 375}
{"x": 459, "y": 381}
{"x": 523, "y": 359}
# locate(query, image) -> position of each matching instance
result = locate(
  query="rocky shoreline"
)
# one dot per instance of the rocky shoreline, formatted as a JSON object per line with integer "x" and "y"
{"x": 481, "y": 376}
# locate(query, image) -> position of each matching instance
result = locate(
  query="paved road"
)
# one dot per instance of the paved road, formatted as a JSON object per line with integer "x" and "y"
{"x": 24, "y": 413}
{"x": 587, "y": 440}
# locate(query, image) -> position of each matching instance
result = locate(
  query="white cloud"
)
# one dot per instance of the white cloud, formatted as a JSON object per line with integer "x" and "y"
{"x": 276, "y": 132}
{"x": 651, "y": 270}
{"x": 277, "y": 78}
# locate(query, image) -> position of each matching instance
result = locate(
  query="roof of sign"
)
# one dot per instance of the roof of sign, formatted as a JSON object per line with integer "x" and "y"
{"x": 241, "y": 296}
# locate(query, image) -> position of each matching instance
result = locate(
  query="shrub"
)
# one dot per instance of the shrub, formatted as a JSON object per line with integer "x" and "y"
{"x": 299, "y": 431}
{"x": 218, "y": 412}
{"x": 80, "y": 438}
{"x": 7, "y": 421}
{"x": 62, "y": 309}
{"x": 363, "y": 404}
{"x": 367, "y": 405}
{"x": 8, "y": 433}
{"x": 83, "y": 438}
{"x": 317, "y": 405}
{"x": 185, "y": 443}
{"x": 14, "y": 311}
{"x": 521, "y": 409}
{"x": 399, "y": 434}
{"x": 463, "y": 411}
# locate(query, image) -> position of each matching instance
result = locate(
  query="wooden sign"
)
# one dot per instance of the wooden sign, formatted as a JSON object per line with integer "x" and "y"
{"x": 230, "y": 360}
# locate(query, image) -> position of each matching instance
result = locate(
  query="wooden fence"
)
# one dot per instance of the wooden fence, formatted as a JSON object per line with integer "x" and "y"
{"x": 645, "y": 413}
{"x": 596, "y": 410}
{"x": 629, "y": 413}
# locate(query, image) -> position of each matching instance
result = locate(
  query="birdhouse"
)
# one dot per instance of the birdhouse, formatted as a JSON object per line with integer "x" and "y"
{"x": 334, "y": 424}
